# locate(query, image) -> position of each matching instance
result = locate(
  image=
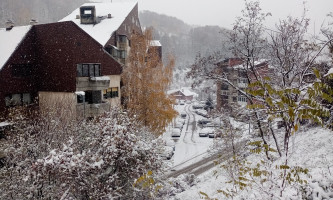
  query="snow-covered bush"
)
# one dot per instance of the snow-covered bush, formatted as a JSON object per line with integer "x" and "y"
{"x": 98, "y": 159}
{"x": 173, "y": 186}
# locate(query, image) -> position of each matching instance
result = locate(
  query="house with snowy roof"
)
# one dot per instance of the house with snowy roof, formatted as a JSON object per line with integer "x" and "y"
{"x": 59, "y": 65}
{"x": 111, "y": 23}
{"x": 182, "y": 94}
{"x": 77, "y": 61}
{"x": 227, "y": 95}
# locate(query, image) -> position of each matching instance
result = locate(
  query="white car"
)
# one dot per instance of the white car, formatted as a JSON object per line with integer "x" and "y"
{"x": 178, "y": 125}
{"x": 175, "y": 132}
{"x": 170, "y": 143}
{"x": 205, "y": 132}
{"x": 168, "y": 153}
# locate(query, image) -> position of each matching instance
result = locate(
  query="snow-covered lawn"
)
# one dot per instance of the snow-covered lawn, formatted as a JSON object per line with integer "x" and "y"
{"x": 311, "y": 149}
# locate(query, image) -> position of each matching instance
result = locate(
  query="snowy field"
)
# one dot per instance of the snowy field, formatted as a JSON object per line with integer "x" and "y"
{"x": 311, "y": 149}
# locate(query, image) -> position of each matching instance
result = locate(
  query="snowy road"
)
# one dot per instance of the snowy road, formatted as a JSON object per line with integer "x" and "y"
{"x": 190, "y": 148}
{"x": 193, "y": 154}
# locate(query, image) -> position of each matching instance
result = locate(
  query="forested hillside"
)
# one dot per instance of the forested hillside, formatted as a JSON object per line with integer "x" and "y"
{"x": 183, "y": 40}
{"x": 44, "y": 11}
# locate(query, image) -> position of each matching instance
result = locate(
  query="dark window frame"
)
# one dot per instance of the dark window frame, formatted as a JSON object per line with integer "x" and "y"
{"x": 88, "y": 70}
{"x": 111, "y": 93}
{"x": 22, "y": 100}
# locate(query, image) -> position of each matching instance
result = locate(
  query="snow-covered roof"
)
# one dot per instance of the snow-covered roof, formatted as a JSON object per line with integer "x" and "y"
{"x": 103, "y": 30}
{"x": 256, "y": 63}
{"x": 186, "y": 91}
{"x": 9, "y": 40}
{"x": 155, "y": 43}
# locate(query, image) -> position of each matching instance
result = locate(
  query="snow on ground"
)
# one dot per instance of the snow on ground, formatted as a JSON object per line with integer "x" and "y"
{"x": 310, "y": 148}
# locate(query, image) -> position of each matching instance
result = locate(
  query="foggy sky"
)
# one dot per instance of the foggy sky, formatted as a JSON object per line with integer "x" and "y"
{"x": 223, "y": 12}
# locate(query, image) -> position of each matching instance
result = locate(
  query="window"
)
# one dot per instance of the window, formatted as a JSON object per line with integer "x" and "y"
{"x": 111, "y": 93}
{"x": 114, "y": 92}
{"x": 123, "y": 54}
{"x": 21, "y": 70}
{"x": 242, "y": 80}
{"x": 225, "y": 97}
{"x": 80, "y": 98}
{"x": 88, "y": 70}
{"x": 18, "y": 99}
{"x": 224, "y": 86}
{"x": 93, "y": 97}
{"x": 234, "y": 99}
{"x": 242, "y": 98}
{"x": 122, "y": 38}
{"x": 225, "y": 93}
{"x": 87, "y": 12}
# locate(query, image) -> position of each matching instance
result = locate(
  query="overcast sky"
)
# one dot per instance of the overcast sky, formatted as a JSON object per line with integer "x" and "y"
{"x": 223, "y": 12}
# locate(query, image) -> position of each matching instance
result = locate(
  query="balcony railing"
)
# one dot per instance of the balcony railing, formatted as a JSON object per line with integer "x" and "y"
{"x": 92, "y": 83}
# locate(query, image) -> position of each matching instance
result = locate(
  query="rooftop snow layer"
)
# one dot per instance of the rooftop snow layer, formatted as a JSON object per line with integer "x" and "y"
{"x": 103, "y": 30}
{"x": 186, "y": 91}
{"x": 9, "y": 41}
{"x": 155, "y": 43}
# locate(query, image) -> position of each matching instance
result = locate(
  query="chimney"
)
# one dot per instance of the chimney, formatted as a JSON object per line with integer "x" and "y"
{"x": 88, "y": 15}
{"x": 33, "y": 22}
{"x": 9, "y": 25}
{"x": 109, "y": 16}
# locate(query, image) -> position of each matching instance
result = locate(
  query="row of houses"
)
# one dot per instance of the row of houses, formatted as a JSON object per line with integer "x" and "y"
{"x": 73, "y": 65}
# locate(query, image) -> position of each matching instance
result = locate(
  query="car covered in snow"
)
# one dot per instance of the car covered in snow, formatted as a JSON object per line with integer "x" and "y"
{"x": 197, "y": 106}
{"x": 175, "y": 132}
{"x": 201, "y": 112}
{"x": 216, "y": 134}
{"x": 181, "y": 120}
{"x": 170, "y": 143}
{"x": 205, "y": 132}
{"x": 178, "y": 125}
{"x": 167, "y": 153}
{"x": 183, "y": 115}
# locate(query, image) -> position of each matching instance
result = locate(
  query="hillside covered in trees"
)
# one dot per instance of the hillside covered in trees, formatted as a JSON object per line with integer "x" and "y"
{"x": 184, "y": 42}
{"x": 44, "y": 11}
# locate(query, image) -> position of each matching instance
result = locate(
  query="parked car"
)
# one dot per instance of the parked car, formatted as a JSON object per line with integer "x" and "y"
{"x": 209, "y": 124}
{"x": 217, "y": 133}
{"x": 182, "y": 102}
{"x": 178, "y": 125}
{"x": 167, "y": 152}
{"x": 197, "y": 106}
{"x": 170, "y": 143}
{"x": 201, "y": 112}
{"x": 183, "y": 115}
{"x": 202, "y": 122}
{"x": 188, "y": 102}
{"x": 176, "y": 132}
{"x": 205, "y": 132}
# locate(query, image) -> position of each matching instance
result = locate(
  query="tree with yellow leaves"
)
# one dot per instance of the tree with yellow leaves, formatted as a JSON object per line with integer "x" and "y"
{"x": 146, "y": 80}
